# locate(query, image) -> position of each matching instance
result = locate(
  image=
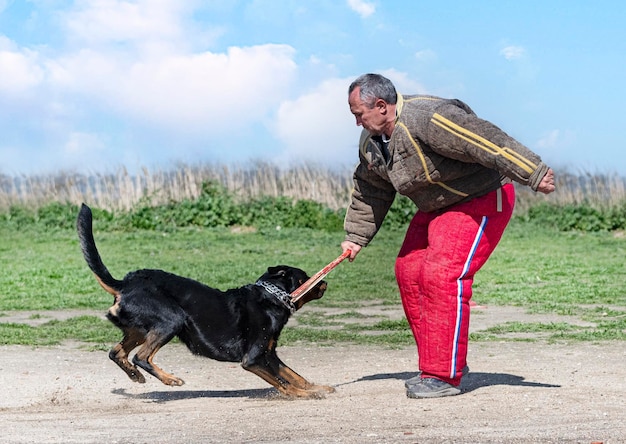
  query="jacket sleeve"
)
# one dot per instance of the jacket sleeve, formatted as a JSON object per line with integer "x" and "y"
{"x": 371, "y": 199}
{"x": 455, "y": 131}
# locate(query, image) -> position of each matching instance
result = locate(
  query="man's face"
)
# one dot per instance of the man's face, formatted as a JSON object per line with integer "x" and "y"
{"x": 372, "y": 119}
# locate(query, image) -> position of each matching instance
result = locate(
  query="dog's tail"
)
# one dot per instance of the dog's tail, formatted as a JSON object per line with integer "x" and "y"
{"x": 90, "y": 252}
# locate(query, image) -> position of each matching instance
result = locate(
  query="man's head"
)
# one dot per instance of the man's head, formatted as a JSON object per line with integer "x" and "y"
{"x": 372, "y": 99}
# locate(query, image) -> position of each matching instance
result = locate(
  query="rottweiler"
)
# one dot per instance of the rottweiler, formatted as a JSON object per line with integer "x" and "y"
{"x": 238, "y": 325}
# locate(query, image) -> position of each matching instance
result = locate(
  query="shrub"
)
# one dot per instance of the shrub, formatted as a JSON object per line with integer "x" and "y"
{"x": 581, "y": 217}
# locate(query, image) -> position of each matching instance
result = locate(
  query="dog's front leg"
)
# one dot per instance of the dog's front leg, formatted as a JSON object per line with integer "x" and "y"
{"x": 282, "y": 385}
{"x": 289, "y": 374}
{"x": 269, "y": 368}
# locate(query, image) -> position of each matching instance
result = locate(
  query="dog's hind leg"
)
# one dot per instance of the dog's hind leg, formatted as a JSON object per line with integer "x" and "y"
{"x": 145, "y": 355}
{"x": 119, "y": 354}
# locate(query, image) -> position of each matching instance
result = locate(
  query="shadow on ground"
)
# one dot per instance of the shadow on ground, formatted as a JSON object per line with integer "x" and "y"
{"x": 470, "y": 382}
{"x": 196, "y": 394}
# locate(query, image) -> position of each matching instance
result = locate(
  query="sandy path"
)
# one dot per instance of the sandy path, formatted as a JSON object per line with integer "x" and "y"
{"x": 516, "y": 392}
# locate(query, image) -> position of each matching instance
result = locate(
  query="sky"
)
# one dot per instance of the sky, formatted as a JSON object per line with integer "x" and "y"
{"x": 95, "y": 85}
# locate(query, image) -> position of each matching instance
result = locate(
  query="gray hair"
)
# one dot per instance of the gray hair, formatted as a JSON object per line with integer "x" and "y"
{"x": 374, "y": 86}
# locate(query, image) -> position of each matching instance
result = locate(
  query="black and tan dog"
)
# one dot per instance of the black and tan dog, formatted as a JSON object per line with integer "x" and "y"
{"x": 239, "y": 325}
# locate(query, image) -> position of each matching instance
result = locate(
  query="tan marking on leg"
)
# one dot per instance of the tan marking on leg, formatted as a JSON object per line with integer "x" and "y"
{"x": 283, "y": 387}
{"x": 294, "y": 378}
{"x": 145, "y": 356}
{"x": 119, "y": 354}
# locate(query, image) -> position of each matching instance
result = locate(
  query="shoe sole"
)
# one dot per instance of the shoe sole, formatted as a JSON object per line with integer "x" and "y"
{"x": 408, "y": 384}
{"x": 452, "y": 391}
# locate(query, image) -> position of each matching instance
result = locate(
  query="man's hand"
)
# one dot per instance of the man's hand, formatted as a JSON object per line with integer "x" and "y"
{"x": 546, "y": 186}
{"x": 354, "y": 249}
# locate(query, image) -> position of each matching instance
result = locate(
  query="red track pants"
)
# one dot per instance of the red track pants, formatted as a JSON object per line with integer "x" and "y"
{"x": 435, "y": 270}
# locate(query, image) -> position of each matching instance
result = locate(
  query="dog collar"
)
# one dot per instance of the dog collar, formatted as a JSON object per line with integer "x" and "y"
{"x": 281, "y": 295}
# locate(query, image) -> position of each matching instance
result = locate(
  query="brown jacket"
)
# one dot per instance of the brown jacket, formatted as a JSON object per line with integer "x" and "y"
{"x": 440, "y": 154}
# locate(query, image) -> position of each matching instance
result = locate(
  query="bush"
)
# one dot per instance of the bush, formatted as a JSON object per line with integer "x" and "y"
{"x": 215, "y": 207}
{"x": 581, "y": 217}
{"x": 401, "y": 212}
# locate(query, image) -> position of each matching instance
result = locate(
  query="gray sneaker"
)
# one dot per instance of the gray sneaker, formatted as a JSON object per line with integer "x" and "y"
{"x": 417, "y": 378}
{"x": 431, "y": 388}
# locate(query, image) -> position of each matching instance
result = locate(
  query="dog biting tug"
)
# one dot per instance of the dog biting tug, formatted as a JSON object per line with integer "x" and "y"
{"x": 238, "y": 325}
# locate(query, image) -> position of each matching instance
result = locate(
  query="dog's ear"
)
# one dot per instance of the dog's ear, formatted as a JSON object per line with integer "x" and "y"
{"x": 277, "y": 271}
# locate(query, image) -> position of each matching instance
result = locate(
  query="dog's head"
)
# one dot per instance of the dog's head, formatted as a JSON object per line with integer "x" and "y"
{"x": 289, "y": 278}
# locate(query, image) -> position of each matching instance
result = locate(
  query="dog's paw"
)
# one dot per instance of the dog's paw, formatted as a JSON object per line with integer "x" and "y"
{"x": 311, "y": 392}
{"x": 309, "y": 386}
{"x": 324, "y": 388}
{"x": 319, "y": 391}
{"x": 136, "y": 376}
{"x": 173, "y": 381}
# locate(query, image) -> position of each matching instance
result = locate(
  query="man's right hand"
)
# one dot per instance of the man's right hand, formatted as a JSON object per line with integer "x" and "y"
{"x": 354, "y": 249}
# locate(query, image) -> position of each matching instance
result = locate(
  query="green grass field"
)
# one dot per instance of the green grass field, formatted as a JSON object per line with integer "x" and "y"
{"x": 542, "y": 270}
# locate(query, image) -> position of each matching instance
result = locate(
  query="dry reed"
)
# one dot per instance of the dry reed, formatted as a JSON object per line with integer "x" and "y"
{"x": 122, "y": 190}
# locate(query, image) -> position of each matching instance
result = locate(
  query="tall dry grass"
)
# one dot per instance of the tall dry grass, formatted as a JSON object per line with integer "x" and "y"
{"x": 600, "y": 191}
{"x": 121, "y": 190}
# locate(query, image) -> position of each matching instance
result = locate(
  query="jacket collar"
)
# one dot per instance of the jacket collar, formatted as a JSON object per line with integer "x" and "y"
{"x": 399, "y": 105}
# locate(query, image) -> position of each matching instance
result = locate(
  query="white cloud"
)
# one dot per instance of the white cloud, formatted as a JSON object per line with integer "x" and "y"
{"x": 136, "y": 59}
{"x": 426, "y": 55}
{"x": 556, "y": 140}
{"x": 122, "y": 21}
{"x": 85, "y": 151}
{"x": 363, "y": 8}
{"x": 20, "y": 68}
{"x": 403, "y": 83}
{"x": 512, "y": 52}
{"x": 79, "y": 142}
{"x": 549, "y": 140}
{"x": 120, "y": 66}
{"x": 318, "y": 125}
{"x": 13, "y": 156}
{"x": 200, "y": 92}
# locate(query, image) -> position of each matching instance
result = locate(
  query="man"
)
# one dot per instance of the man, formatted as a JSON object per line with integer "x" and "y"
{"x": 458, "y": 170}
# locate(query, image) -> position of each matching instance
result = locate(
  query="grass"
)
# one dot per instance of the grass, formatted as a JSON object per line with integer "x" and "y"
{"x": 536, "y": 268}
{"x": 87, "y": 329}
{"x": 46, "y": 271}
{"x": 554, "y": 271}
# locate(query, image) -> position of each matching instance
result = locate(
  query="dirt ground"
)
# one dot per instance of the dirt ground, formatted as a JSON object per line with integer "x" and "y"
{"x": 516, "y": 392}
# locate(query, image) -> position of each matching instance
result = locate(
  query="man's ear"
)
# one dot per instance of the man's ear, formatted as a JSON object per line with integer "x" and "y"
{"x": 381, "y": 106}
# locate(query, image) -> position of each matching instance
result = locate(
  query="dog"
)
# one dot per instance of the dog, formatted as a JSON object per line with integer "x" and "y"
{"x": 238, "y": 325}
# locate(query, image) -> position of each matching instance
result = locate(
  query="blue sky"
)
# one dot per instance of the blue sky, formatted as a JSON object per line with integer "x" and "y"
{"x": 94, "y": 85}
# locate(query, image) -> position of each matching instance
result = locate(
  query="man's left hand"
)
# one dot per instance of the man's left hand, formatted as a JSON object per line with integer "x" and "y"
{"x": 546, "y": 186}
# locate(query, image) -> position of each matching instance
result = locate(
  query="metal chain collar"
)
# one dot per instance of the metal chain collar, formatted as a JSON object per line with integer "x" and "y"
{"x": 281, "y": 295}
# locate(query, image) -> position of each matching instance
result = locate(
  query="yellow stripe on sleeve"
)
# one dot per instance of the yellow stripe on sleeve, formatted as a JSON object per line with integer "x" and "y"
{"x": 483, "y": 143}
